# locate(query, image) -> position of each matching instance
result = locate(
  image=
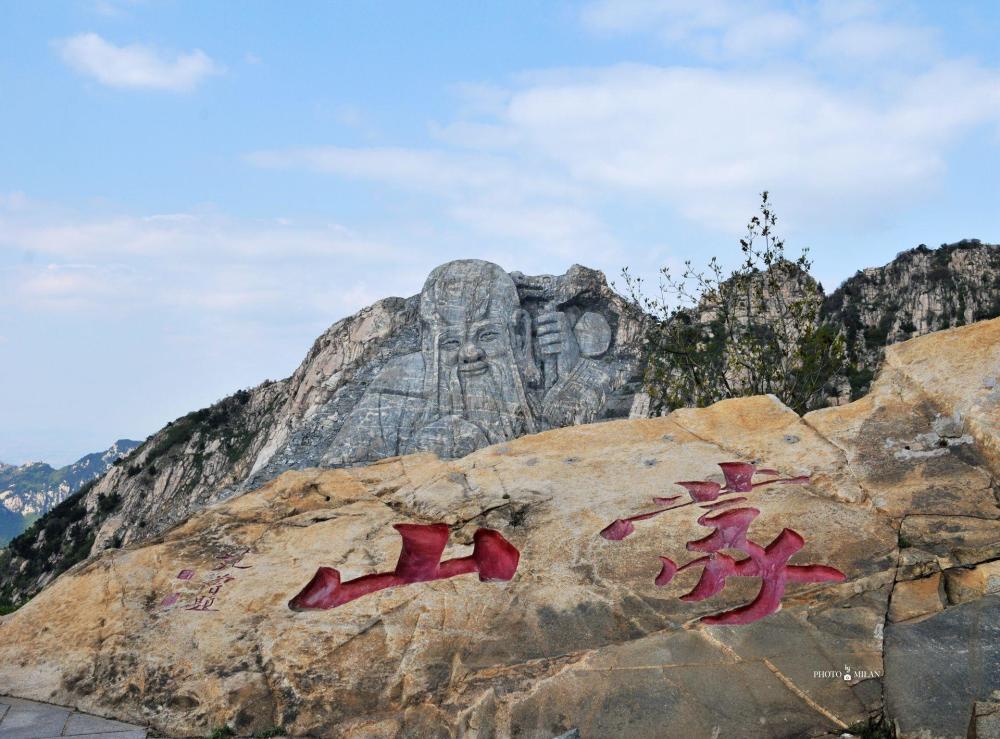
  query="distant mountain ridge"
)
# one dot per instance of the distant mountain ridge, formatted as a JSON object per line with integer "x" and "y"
{"x": 30, "y": 490}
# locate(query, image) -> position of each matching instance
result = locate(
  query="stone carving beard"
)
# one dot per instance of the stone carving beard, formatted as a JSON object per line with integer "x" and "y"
{"x": 491, "y": 400}
{"x": 489, "y": 394}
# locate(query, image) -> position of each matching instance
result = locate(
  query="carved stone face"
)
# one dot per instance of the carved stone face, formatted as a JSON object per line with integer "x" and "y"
{"x": 476, "y": 344}
{"x": 470, "y": 346}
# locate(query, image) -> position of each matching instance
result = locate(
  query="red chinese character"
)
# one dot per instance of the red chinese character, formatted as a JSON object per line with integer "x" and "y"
{"x": 770, "y": 564}
{"x": 622, "y": 527}
{"x": 739, "y": 479}
{"x": 731, "y": 526}
{"x": 493, "y": 557}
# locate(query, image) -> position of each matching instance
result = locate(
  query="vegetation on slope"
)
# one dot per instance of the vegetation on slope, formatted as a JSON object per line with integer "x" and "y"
{"x": 920, "y": 291}
{"x": 66, "y": 534}
{"x": 52, "y": 544}
{"x": 711, "y": 336}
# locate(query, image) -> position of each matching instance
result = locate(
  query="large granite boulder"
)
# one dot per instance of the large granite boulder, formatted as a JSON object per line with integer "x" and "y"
{"x": 193, "y": 630}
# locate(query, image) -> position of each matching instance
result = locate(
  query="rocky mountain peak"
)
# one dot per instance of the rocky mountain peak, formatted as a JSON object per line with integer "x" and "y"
{"x": 920, "y": 291}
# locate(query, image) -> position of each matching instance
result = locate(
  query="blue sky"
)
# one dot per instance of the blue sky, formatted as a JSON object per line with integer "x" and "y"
{"x": 191, "y": 192}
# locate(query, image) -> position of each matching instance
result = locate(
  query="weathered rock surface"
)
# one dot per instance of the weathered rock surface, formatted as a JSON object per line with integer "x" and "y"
{"x": 963, "y": 584}
{"x": 915, "y": 598}
{"x": 581, "y": 638}
{"x": 940, "y": 666}
{"x": 985, "y": 722}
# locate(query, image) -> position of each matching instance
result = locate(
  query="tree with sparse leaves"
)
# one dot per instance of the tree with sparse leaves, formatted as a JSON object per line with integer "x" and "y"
{"x": 710, "y": 336}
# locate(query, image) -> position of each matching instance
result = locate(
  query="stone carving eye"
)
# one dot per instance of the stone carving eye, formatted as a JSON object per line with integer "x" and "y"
{"x": 488, "y": 336}
{"x": 449, "y": 345}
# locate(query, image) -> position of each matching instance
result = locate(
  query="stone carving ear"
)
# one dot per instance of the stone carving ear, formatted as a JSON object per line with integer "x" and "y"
{"x": 521, "y": 331}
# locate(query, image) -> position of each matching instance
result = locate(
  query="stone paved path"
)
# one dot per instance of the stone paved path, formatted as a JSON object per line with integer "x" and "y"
{"x": 22, "y": 719}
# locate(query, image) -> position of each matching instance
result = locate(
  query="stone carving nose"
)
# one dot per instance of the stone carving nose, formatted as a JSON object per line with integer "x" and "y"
{"x": 471, "y": 353}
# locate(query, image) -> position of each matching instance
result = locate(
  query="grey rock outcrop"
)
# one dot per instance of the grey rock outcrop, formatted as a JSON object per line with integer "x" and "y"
{"x": 491, "y": 367}
{"x": 920, "y": 291}
{"x": 479, "y": 356}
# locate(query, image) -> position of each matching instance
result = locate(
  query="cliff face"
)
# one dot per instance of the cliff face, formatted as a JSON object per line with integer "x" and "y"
{"x": 256, "y": 434}
{"x": 878, "y": 523}
{"x": 211, "y": 454}
{"x": 920, "y": 291}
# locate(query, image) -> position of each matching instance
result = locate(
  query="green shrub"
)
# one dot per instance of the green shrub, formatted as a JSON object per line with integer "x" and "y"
{"x": 108, "y": 503}
{"x": 7, "y": 607}
{"x": 758, "y": 330}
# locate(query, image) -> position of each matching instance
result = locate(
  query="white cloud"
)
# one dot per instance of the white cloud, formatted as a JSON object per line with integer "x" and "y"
{"x": 846, "y": 32}
{"x": 135, "y": 66}
{"x": 196, "y": 264}
{"x": 762, "y": 35}
{"x": 711, "y": 28}
{"x": 699, "y": 139}
{"x": 423, "y": 169}
{"x": 74, "y": 287}
{"x": 864, "y": 42}
{"x": 496, "y": 195}
{"x": 704, "y": 139}
{"x": 183, "y": 235}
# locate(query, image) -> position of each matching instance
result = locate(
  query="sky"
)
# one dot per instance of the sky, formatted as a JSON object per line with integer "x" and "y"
{"x": 190, "y": 192}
